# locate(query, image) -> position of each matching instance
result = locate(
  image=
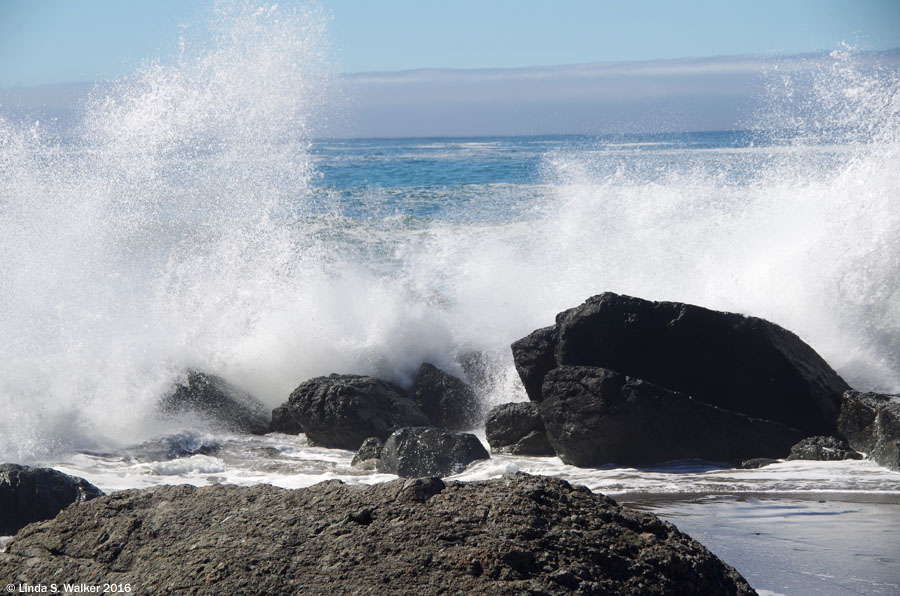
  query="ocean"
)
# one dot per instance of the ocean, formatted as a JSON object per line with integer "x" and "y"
{"x": 191, "y": 219}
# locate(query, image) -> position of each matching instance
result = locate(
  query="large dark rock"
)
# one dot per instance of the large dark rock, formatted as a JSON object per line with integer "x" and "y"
{"x": 446, "y": 400}
{"x": 517, "y": 428}
{"x": 596, "y": 416}
{"x": 821, "y": 448}
{"x": 219, "y": 402}
{"x": 515, "y": 535}
{"x": 871, "y": 423}
{"x": 739, "y": 363}
{"x": 428, "y": 451}
{"x": 34, "y": 494}
{"x": 342, "y": 411}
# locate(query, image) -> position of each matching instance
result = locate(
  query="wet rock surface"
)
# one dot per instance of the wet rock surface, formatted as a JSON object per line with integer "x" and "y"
{"x": 34, "y": 494}
{"x": 596, "y": 416}
{"x": 368, "y": 457}
{"x": 429, "y": 451}
{"x": 871, "y": 423}
{"x": 342, "y": 411}
{"x": 516, "y": 535}
{"x": 822, "y": 448}
{"x": 218, "y": 402}
{"x": 447, "y": 400}
{"x": 739, "y": 363}
{"x": 517, "y": 429}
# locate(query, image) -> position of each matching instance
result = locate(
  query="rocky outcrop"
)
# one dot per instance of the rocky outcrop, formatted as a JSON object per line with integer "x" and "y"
{"x": 823, "y": 449}
{"x": 517, "y": 428}
{"x": 739, "y": 363}
{"x": 871, "y": 423}
{"x": 516, "y": 535}
{"x": 595, "y": 416}
{"x": 446, "y": 400}
{"x": 429, "y": 451}
{"x": 218, "y": 402}
{"x": 34, "y": 494}
{"x": 368, "y": 457}
{"x": 342, "y": 411}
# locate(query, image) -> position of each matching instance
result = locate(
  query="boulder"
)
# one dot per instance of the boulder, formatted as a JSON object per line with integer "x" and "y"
{"x": 446, "y": 400}
{"x": 516, "y": 428}
{"x": 342, "y": 411}
{"x": 595, "y": 416}
{"x": 34, "y": 494}
{"x": 871, "y": 424}
{"x": 428, "y": 451}
{"x": 219, "y": 402}
{"x": 732, "y": 361}
{"x": 509, "y": 536}
{"x": 369, "y": 455}
{"x": 823, "y": 449}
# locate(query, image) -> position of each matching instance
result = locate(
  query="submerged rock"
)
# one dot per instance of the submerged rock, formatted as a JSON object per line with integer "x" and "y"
{"x": 369, "y": 455}
{"x": 515, "y": 535}
{"x": 739, "y": 363}
{"x": 758, "y": 462}
{"x": 517, "y": 428}
{"x": 823, "y": 449}
{"x": 446, "y": 400}
{"x": 871, "y": 423}
{"x": 596, "y": 416}
{"x": 34, "y": 494}
{"x": 429, "y": 451}
{"x": 219, "y": 402}
{"x": 342, "y": 411}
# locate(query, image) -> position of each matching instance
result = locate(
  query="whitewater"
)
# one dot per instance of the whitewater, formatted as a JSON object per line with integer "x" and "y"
{"x": 191, "y": 218}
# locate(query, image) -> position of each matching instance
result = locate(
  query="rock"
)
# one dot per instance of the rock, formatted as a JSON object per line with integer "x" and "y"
{"x": 428, "y": 451}
{"x": 757, "y": 462}
{"x": 517, "y": 428}
{"x": 823, "y": 449}
{"x": 342, "y": 411}
{"x": 219, "y": 402}
{"x": 871, "y": 424}
{"x": 446, "y": 400}
{"x": 515, "y": 535}
{"x": 732, "y": 361}
{"x": 595, "y": 416}
{"x": 34, "y": 494}
{"x": 369, "y": 455}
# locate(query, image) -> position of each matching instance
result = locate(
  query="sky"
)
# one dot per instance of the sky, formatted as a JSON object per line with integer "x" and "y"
{"x": 490, "y": 66}
{"x": 57, "y": 41}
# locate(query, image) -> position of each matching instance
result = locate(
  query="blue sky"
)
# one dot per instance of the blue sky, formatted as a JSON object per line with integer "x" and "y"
{"x": 56, "y": 41}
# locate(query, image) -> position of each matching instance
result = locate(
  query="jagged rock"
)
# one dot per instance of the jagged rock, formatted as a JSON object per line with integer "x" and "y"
{"x": 429, "y": 451}
{"x": 871, "y": 424}
{"x": 732, "y": 361}
{"x": 595, "y": 416}
{"x": 446, "y": 400}
{"x": 342, "y": 411}
{"x": 757, "y": 462}
{"x": 823, "y": 449}
{"x": 34, "y": 494}
{"x": 368, "y": 457}
{"x": 515, "y": 535}
{"x": 517, "y": 429}
{"x": 219, "y": 402}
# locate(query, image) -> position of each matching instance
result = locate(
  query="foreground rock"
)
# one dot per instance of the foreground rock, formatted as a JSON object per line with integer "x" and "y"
{"x": 516, "y": 535}
{"x": 739, "y": 363}
{"x": 446, "y": 400}
{"x": 517, "y": 428}
{"x": 34, "y": 494}
{"x": 596, "y": 416}
{"x": 823, "y": 449}
{"x": 218, "y": 402}
{"x": 342, "y": 411}
{"x": 871, "y": 423}
{"x": 429, "y": 451}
